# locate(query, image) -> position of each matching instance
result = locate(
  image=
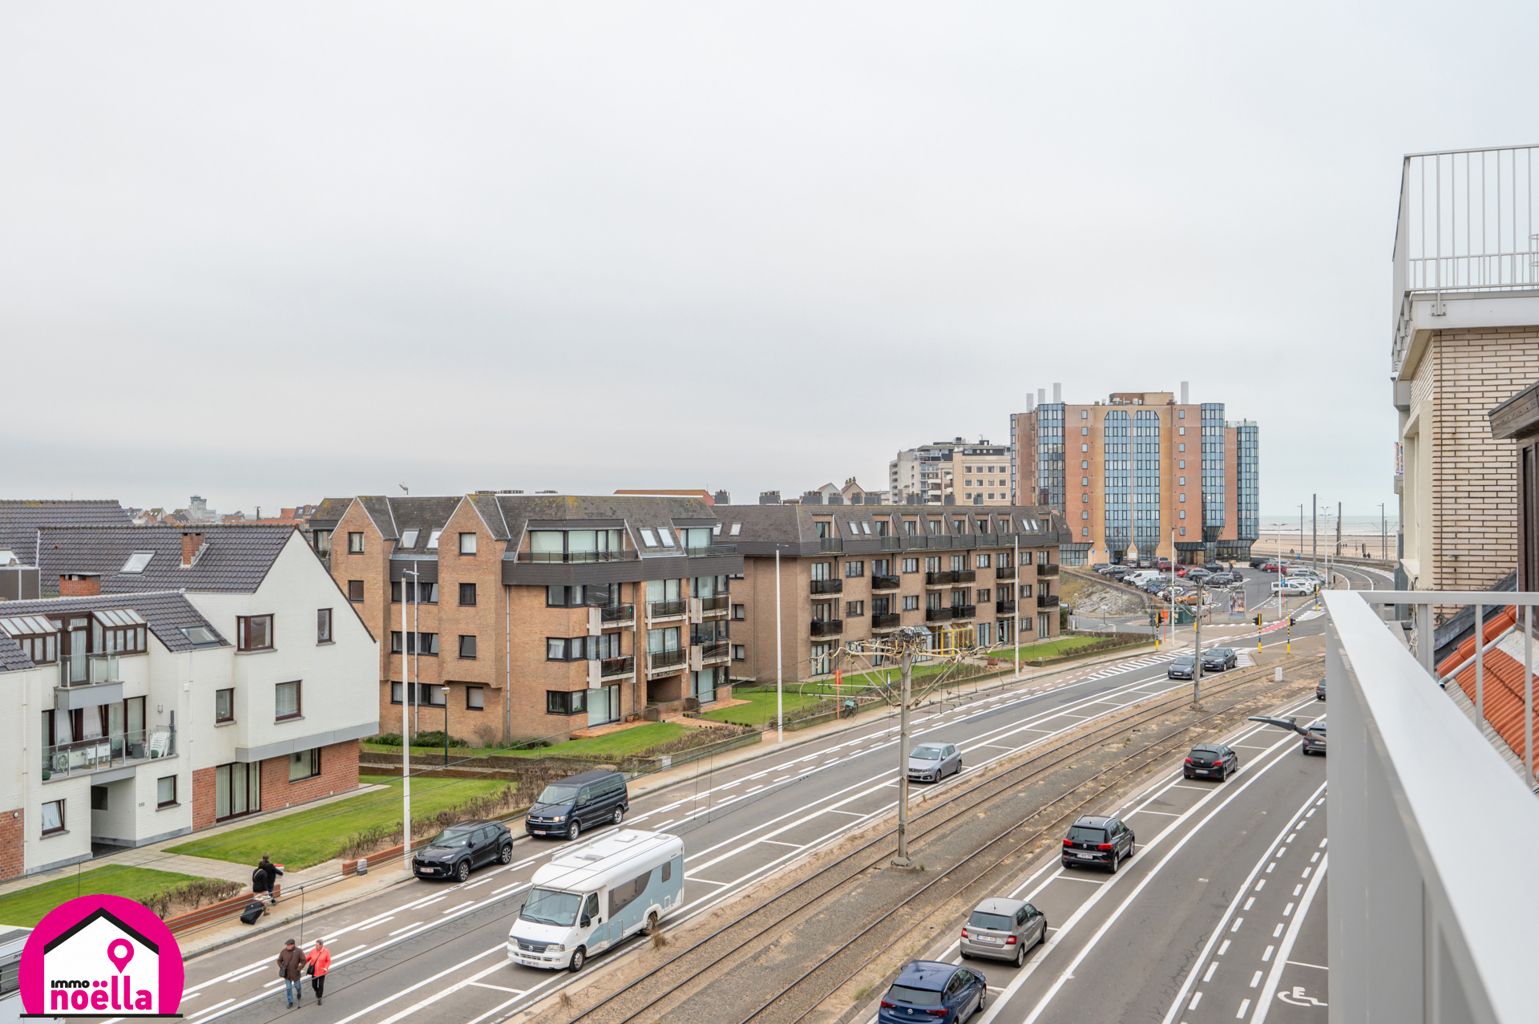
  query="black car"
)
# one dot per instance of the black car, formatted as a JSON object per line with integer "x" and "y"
{"x": 1116, "y": 572}
{"x": 1098, "y": 840}
{"x": 455, "y": 851}
{"x": 585, "y": 800}
{"x": 1181, "y": 667}
{"x": 1257, "y": 561}
{"x": 1219, "y": 659}
{"x": 1320, "y": 690}
{"x": 1210, "y": 761}
{"x": 1101, "y": 567}
{"x": 1216, "y": 567}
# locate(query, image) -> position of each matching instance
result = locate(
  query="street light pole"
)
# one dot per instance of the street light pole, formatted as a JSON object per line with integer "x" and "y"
{"x": 780, "y": 719}
{"x": 1301, "y": 528}
{"x": 1197, "y": 648}
{"x": 1383, "y": 533}
{"x": 445, "y": 691}
{"x": 1015, "y": 594}
{"x": 405, "y": 731}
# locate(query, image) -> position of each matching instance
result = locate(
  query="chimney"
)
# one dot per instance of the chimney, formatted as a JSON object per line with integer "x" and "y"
{"x": 1042, "y": 396}
{"x": 722, "y": 498}
{"x": 79, "y": 584}
{"x": 1185, "y": 387}
{"x": 1057, "y": 392}
{"x": 192, "y": 543}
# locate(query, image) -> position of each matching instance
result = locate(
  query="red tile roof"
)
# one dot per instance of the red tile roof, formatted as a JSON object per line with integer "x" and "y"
{"x": 1503, "y": 687}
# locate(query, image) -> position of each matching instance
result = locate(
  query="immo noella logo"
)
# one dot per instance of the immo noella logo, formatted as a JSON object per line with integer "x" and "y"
{"x": 97, "y": 956}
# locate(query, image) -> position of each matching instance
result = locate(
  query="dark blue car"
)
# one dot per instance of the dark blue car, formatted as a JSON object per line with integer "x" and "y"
{"x": 934, "y": 992}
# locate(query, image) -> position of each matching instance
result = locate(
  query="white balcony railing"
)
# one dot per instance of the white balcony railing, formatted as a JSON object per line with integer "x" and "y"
{"x": 1466, "y": 224}
{"x": 1419, "y": 928}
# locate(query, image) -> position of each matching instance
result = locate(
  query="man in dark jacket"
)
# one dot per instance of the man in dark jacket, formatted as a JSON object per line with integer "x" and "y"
{"x": 264, "y": 878}
{"x": 291, "y": 968}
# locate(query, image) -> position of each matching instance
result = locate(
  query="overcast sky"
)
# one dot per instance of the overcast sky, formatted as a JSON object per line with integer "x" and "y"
{"x": 272, "y": 252}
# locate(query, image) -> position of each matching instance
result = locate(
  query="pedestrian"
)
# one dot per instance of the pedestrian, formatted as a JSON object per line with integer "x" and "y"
{"x": 291, "y": 968}
{"x": 317, "y": 964}
{"x": 265, "y": 878}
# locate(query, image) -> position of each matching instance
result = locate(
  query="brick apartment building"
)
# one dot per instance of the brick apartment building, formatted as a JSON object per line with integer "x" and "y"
{"x": 1140, "y": 471}
{"x": 853, "y": 573}
{"x": 1465, "y": 340}
{"x": 182, "y": 677}
{"x": 535, "y": 616}
{"x": 955, "y": 472}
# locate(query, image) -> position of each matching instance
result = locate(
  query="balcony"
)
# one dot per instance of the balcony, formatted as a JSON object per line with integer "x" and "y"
{"x": 827, "y": 586}
{"x": 1047, "y": 600}
{"x": 827, "y": 627}
{"x": 964, "y": 611}
{"x": 103, "y": 753}
{"x": 884, "y": 582}
{"x": 884, "y": 620}
{"x": 937, "y": 614}
{"x": 710, "y": 550}
{"x": 578, "y": 557}
{"x": 714, "y": 606}
{"x": 665, "y": 609}
{"x": 714, "y": 651}
{"x": 1005, "y": 572}
{"x": 831, "y": 545}
{"x": 1047, "y": 569}
{"x": 88, "y": 682}
{"x": 965, "y": 575}
{"x": 940, "y": 579}
{"x": 612, "y": 617}
{"x": 890, "y": 543}
{"x": 1004, "y": 607}
{"x": 664, "y": 662}
{"x": 609, "y": 669}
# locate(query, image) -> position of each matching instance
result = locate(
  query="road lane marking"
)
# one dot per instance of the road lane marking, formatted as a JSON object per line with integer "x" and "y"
{"x": 1300, "y": 963}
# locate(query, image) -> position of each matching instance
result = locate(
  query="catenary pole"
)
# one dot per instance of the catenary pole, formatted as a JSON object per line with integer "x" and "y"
{"x": 1015, "y": 593}
{"x": 1197, "y": 650}
{"x": 906, "y": 663}
{"x": 405, "y": 737}
{"x": 780, "y": 722}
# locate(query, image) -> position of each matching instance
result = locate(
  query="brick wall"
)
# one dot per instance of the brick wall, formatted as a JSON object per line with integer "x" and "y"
{"x": 203, "y": 791}
{"x": 339, "y": 774}
{"x": 13, "y": 834}
{"x": 1474, "y": 476}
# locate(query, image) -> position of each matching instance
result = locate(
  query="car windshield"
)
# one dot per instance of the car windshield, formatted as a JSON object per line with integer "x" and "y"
{"x": 1185, "y": 661}
{"x": 548, "y": 906}
{"x": 1320, "y": 729}
{"x": 452, "y": 837}
{"x": 914, "y": 996}
{"x": 926, "y": 753}
{"x": 557, "y": 793}
{"x": 993, "y": 922}
{"x": 1085, "y": 834}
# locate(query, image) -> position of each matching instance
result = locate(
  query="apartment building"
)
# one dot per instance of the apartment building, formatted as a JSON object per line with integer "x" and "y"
{"x": 182, "y": 678}
{"x": 1465, "y": 339}
{"x": 955, "y": 472}
{"x": 536, "y": 616}
{"x": 1142, "y": 474}
{"x": 850, "y": 574}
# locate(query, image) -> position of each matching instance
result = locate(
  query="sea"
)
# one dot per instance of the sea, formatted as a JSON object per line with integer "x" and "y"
{"x": 1354, "y": 526}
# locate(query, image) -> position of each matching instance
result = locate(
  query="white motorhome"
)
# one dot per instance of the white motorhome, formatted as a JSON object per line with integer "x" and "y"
{"x": 590, "y": 899}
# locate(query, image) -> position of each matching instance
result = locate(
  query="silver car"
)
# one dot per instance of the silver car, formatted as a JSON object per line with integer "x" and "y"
{"x": 1001, "y": 929}
{"x": 931, "y": 762}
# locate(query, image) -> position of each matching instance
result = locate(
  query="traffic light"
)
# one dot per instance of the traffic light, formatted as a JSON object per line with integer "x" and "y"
{"x": 1258, "y": 620}
{"x": 1290, "y": 622}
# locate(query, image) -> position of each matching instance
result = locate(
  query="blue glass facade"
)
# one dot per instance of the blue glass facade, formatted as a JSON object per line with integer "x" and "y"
{"x": 1116, "y": 459}
{"x": 1213, "y": 497}
{"x": 1050, "y": 453}
{"x": 1248, "y": 482}
{"x": 1146, "y": 481}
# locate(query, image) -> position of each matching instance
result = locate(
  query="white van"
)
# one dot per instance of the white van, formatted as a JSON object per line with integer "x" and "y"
{"x": 591, "y": 898}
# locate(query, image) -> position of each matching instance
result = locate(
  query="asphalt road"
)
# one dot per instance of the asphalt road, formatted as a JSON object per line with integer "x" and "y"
{"x": 433, "y": 952}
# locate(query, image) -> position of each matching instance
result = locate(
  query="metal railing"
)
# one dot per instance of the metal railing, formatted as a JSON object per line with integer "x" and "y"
{"x": 112, "y": 751}
{"x": 937, "y": 614}
{"x": 1417, "y": 933}
{"x": 1004, "y": 606}
{"x": 827, "y": 627}
{"x": 666, "y": 659}
{"x": 618, "y": 613}
{"x": 1047, "y": 600}
{"x": 1005, "y": 572}
{"x": 1047, "y": 569}
{"x": 1466, "y": 224}
{"x": 665, "y": 609}
{"x": 89, "y": 670}
{"x": 964, "y": 611}
{"x": 940, "y": 579}
{"x": 830, "y": 544}
{"x": 883, "y": 582}
{"x": 707, "y": 550}
{"x": 579, "y": 557}
{"x": 609, "y": 667}
{"x": 713, "y": 605}
{"x": 884, "y": 620}
{"x": 715, "y": 650}
{"x": 827, "y": 586}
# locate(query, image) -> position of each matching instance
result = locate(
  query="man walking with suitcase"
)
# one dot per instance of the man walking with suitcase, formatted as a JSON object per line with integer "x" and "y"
{"x": 291, "y": 968}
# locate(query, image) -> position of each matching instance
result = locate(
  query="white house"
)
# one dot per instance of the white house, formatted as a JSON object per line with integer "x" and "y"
{"x": 185, "y": 678}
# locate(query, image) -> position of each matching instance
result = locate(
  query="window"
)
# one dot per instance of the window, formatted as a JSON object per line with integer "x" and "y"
{"x": 428, "y": 694}
{"x": 467, "y": 595}
{"x": 53, "y": 817}
{"x": 254, "y": 633}
{"x": 911, "y": 602}
{"x": 355, "y": 543}
{"x": 305, "y": 764}
{"x": 1084, "y": 465}
{"x": 433, "y": 540}
{"x": 355, "y": 591}
{"x": 287, "y": 700}
{"x": 910, "y": 565}
{"x": 739, "y": 652}
{"x": 475, "y": 698}
{"x": 575, "y": 648}
{"x": 983, "y": 595}
{"x": 854, "y": 609}
{"x": 981, "y": 562}
{"x": 854, "y": 567}
{"x": 417, "y": 592}
{"x": 1181, "y": 480}
{"x": 416, "y": 643}
{"x": 468, "y": 647}
{"x": 137, "y": 561}
{"x": 323, "y": 625}
{"x": 566, "y": 702}
{"x": 98, "y": 798}
{"x": 165, "y": 791}
{"x": 650, "y": 540}
{"x": 665, "y": 535}
{"x": 409, "y": 538}
{"x": 467, "y": 543}
{"x": 224, "y": 705}
{"x": 739, "y": 612}
{"x": 1181, "y": 447}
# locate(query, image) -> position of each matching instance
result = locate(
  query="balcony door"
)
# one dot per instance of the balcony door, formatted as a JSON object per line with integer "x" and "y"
{"x": 74, "y": 646}
{"x": 604, "y": 705}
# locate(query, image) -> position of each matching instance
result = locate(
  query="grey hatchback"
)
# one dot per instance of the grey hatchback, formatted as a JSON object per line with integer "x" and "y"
{"x": 931, "y": 762}
{"x": 1003, "y": 929}
{"x": 1314, "y": 738}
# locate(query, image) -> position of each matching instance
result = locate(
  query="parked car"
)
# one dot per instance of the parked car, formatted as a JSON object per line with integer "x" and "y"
{"x": 1300, "y": 570}
{"x": 1219, "y": 659}
{"x": 459, "y": 849}
{"x": 1259, "y": 561}
{"x": 1101, "y": 567}
{"x": 931, "y": 762}
{"x": 1292, "y": 588}
{"x": 1196, "y": 574}
{"x": 1182, "y": 570}
{"x": 1314, "y": 738}
{"x": 1222, "y": 579}
{"x": 1281, "y": 567}
{"x": 1118, "y": 572}
{"x": 1165, "y": 593}
{"x": 1216, "y": 567}
{"x": 1003, "y": 929}
{"x": 1181, "y": 667}
{"x": 933, "y": 992}
{"x": 1162, "y": 564}
{"x": 585, "y": 800}
{"x": 1210, "y": 761}
{"x": 1095, "y": 839}
{"x": 1320, "y": 689}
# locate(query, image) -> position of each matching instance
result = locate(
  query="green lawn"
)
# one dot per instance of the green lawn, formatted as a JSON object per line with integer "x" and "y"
{"x": 311, "y": 837}
{"x": 636, "y": 740}
{"x": 25, "y": 907}
{"x": 1052, "y": 648}
{"x": 760, "y": 709}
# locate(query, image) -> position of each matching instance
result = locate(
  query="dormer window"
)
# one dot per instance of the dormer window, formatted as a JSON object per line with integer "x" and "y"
{"x": 666, "y": 536}
{"x": 409, "y": 538}
{"x": 36, "y": 636}
{"x": 433, "y": 540}
{"x": 117, "y": 631}
{"x": 137, "y": 561}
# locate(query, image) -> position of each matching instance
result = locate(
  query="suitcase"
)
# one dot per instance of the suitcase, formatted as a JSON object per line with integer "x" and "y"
{"x": 254, "y": 910}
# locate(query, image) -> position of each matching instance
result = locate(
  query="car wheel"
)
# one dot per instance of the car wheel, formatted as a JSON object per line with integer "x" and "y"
{"x": 505, "y": 855}
{"x": 619, "y": 815}
{"x": 650, "y": 928}
{"x": 462, "y": 870}
{"x": 1020, "y": 955}
{"x": 964, "y": 955}
{"x": 579, "y": 957}
{"x": 983, "y": 997}
{"x": 574, "y": 829}
{"x": 1115, "y": 862}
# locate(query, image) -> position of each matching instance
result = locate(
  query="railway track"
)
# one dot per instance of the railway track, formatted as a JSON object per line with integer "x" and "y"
{"x": 705, "y": 959}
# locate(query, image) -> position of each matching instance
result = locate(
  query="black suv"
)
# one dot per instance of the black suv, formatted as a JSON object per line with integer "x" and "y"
{"x": 1211, "y": 761}
{"x": 1219, "y": 659}
{"x": 1257, "y": 561}
{"x": 1094, "y": 839}
{"x": 459, "y": 848}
